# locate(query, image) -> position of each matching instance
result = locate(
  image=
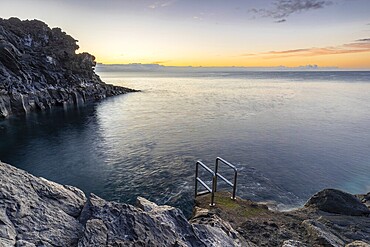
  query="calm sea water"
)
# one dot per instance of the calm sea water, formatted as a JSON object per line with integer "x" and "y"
{"x": 289, "y": 133}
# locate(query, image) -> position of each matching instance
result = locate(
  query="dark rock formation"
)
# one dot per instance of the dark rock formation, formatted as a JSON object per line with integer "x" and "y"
{"x": 37, "y": 212}
{"x": 40, "y": 69}
{"x": 337, "y": 202}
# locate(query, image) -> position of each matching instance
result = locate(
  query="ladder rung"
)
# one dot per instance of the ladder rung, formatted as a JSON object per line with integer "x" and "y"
{"x": 223, "y": 178}
{"x": 204, "y": 184}
{"x": 204, "y": 192}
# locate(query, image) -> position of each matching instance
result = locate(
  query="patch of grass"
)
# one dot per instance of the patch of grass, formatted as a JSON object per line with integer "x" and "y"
{"x": 225, "y": 202}
{"x": 233, "y": 210}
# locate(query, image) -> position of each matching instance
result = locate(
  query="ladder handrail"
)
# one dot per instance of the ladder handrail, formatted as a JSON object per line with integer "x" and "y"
{"x": 197, "y": 179}
{"x": 214, "y": 174}
{"x": 223, "y": 178}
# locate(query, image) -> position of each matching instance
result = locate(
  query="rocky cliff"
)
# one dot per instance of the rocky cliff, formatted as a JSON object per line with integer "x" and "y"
{"x": 39, "y": 69}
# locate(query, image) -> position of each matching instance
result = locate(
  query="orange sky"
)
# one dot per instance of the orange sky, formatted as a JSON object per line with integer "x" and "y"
{"x": 211, "y": 33}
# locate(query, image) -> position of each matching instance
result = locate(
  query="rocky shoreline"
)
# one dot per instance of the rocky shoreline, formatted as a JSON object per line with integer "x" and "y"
{"x": 39, "y": 69}
{"x": 329, "y": 218}
{"x": 38, "y": 212}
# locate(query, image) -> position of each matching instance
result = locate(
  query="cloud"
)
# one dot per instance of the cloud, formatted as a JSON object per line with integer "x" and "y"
{"x": 248, "y": 54}
{"x": 195, "y": 17}
{"x": 280, "y": 21}
{"x": 161, "y": 62}
{"x": 281, "y": 9}
{"x": 161, "y": 4}
{"x": 289, "y": 51}
{"x": 363, "y": 40}
{"x": 358, "y": 46}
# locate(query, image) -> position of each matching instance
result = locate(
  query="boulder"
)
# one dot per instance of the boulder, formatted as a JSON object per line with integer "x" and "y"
{"x": 337, "y": 202}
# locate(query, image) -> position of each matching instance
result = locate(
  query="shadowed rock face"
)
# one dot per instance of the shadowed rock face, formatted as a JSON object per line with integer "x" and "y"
{"x": 40, "y": 69}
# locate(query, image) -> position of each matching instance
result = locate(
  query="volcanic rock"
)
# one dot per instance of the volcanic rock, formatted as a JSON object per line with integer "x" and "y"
{"x": 39, "y": 69}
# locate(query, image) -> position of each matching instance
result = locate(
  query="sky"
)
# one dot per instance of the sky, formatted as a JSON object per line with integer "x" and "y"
{"x": 210, "y": 32}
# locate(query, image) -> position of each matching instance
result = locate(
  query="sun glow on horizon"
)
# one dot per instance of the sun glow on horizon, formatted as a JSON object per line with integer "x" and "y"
{"x": 351, "y": 61}
{"x": 202, "y": 33}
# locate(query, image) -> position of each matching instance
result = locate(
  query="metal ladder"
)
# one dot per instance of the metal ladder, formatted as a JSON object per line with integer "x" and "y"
{"x": 215, "y": 174}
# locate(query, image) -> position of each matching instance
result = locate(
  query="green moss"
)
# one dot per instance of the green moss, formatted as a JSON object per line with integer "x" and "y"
{"x": 238, "y": 207}
{"x": 225, "y": 202}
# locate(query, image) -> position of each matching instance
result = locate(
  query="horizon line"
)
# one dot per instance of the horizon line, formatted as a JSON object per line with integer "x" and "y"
{"x": 306, "y": 67}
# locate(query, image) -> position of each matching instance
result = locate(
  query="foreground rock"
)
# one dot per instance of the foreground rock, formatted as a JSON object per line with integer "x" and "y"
{"x": 37, "y": 212}
{"x": 39, "y": 69}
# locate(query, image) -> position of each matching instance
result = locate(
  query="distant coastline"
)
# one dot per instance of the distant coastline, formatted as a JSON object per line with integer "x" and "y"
{"x": 138, "y": 67}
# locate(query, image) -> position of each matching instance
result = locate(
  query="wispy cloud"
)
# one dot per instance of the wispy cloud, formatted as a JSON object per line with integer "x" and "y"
{"x": 358, "y": 46}
{"x": 161, "y": 4}
{"x": 280, "y": 21}
{"x": 195, "y": 17}
{"x": 281, "y": 9}
{"x": 248, "y": 54}
{"x": 363, "y": 40}
{"x": 161, "y": 62}
{"x": 288, "y": 51}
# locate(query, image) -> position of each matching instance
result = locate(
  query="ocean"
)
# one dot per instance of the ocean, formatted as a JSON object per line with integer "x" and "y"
{"x": 289, "y": 133}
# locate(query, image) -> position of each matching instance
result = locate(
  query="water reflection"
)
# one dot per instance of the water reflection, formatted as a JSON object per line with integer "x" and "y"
{"x": 61, "y": 145}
